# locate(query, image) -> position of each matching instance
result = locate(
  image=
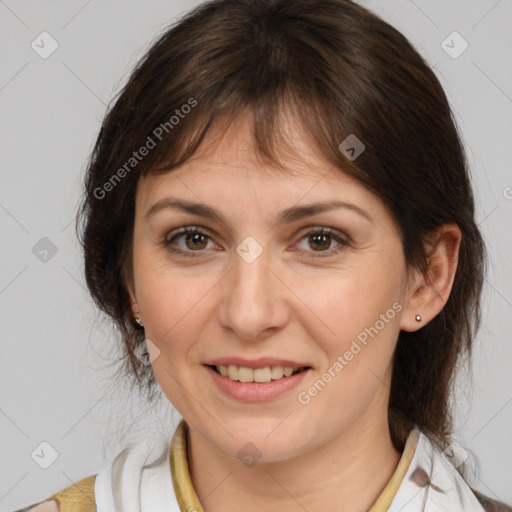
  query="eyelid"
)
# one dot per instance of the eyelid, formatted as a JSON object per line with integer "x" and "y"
{"x": 325, "y": 229}
{"x": 183, "y": 230}
{"x": 191, "y": 228}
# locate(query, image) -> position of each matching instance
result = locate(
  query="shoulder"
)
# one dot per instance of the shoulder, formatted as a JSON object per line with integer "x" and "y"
{"x": 491, "y": 505}
{"x": 78, "y": 497}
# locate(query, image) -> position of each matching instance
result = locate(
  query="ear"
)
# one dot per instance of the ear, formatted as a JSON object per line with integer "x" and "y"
{"x": 133, "y": 299}
{"x": 135, "y": 309}
{"x": 429, "y": 293}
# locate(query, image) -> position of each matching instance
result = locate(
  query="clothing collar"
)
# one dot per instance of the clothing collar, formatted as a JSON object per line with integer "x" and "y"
{"x": 153, "y": 475}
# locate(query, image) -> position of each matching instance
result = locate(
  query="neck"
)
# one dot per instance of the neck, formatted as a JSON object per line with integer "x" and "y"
{"x": 347, "y": 473}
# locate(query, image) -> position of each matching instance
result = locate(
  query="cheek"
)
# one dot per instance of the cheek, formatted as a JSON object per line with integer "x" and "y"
{"x": 174, "y": 305}
{"x": 359, "y": 312}
{"x": 356, "y": 331}
{"x": 349, "y": 303}
{"x": 174, "y": 316}
{"x": 168, "y": 301}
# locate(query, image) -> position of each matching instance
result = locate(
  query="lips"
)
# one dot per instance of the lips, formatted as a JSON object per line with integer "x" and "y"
{"x": 255, "y": 391}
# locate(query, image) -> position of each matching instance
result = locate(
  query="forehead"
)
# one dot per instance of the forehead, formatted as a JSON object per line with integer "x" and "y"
{"x": 228, "y": 159}
{"x": 232, "y": 144}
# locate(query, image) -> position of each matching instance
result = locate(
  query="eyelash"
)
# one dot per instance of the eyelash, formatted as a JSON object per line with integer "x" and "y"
{"x": 194, "y": 230}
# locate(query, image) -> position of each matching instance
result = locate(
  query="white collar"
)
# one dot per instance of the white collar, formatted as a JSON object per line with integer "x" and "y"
{"x": 139, "y": 479}
{"x": 431, "y": 483}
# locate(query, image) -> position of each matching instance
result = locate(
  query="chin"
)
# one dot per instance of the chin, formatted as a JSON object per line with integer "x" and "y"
{"x": 263, "y": 444}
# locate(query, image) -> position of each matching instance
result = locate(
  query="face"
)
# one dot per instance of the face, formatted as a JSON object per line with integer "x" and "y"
{"x": 323, "y": 291}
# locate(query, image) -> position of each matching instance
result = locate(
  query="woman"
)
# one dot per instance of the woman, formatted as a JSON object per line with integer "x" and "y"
{"x": 279, "y": 218}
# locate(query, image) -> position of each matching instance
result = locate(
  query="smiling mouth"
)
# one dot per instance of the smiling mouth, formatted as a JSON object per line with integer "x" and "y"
{"x": 258, "y": 375}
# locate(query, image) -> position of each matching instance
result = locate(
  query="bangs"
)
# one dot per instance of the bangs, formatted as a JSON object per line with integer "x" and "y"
{"x": 280, "y": 123}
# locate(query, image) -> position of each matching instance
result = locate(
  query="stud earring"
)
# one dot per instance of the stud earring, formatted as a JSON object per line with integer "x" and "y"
{"x": 139, "y": 321}
{"x": 418, "y": 318}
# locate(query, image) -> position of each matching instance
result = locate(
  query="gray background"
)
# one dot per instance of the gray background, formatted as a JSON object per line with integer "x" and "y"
{"x": 56, "y": 350}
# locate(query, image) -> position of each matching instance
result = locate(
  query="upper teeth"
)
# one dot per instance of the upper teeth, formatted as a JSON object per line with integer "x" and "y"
{"x": 265, "y": 374}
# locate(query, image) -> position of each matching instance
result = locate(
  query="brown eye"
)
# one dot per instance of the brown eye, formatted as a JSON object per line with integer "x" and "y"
{"x": 320, "y": 241}
{"x": 194, "y": 242}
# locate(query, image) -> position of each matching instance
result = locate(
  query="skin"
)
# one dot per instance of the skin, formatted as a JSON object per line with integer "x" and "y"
{"x": 335, "y": 452}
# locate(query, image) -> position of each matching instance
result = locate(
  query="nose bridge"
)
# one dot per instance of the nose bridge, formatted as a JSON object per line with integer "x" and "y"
{"x": 251, "y": 303}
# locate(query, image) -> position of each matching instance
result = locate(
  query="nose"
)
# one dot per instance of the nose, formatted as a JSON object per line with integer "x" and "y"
{"x": 253, "y": 303}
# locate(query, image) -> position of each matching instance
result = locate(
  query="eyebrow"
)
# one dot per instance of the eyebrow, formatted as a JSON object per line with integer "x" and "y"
{"x": 288, "y": 215}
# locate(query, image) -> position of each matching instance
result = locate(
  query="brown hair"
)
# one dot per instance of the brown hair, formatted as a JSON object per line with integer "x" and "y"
{"x": 340, "y": 70}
